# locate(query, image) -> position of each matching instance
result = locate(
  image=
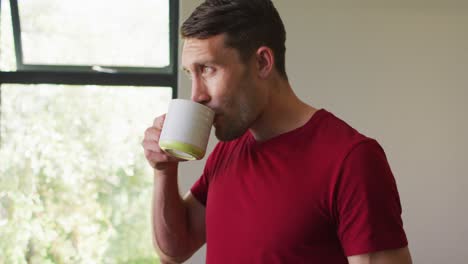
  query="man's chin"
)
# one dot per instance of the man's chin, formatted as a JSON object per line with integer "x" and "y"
{"x": 222, "y": 135}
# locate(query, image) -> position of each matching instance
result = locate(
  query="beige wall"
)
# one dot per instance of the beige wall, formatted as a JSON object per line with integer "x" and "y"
{"x": 397, "y": 71}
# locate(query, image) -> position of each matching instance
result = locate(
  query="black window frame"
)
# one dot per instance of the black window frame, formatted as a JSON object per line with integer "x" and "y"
{"x": 85, "y": 75}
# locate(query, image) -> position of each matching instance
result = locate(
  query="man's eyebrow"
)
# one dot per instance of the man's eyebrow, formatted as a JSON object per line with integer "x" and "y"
{"x": 203, "y": 62}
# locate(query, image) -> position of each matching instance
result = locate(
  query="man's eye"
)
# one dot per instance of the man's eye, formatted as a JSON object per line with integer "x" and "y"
{"x": 207, "y": 70}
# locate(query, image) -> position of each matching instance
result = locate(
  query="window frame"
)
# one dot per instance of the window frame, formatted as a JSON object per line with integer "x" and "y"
{"x": 85, "y": 75}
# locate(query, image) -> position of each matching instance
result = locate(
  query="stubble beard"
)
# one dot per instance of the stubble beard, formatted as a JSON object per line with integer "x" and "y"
{"x": 235, "y": 123}
{"x": 238, "y": 115}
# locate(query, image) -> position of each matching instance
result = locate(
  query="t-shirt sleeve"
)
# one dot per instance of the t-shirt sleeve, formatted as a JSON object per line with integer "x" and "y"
{"x": 367, "y": 202}
{"x": 200, "y": 188}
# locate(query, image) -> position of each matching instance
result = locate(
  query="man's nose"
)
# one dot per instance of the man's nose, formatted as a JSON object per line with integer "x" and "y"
{"x": 199, "y": 92}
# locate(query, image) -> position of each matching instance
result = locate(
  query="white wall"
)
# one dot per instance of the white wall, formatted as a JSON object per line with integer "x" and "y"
{"x": 397, "y": 71}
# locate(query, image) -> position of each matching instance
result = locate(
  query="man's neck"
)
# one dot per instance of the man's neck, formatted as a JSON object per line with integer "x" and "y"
{"x": 283, "y": 113}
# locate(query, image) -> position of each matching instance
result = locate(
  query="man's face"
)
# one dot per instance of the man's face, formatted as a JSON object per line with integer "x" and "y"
{"x": 221, "y": 81}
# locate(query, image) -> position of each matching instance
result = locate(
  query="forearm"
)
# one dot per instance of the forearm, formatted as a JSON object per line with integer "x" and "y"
{"x": 169, "y": 215}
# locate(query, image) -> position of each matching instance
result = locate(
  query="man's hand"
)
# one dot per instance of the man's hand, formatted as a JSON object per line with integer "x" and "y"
{"x": 156, "y": 157}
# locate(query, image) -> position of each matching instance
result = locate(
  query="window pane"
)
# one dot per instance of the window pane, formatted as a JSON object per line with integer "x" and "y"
{"x": 7, "y": 49}
{"x": 127, "y": 33}
{"x": 74, "y": 184}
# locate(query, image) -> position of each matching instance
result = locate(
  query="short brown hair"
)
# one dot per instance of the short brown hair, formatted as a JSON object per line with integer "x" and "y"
{"x": 248, "y": 24}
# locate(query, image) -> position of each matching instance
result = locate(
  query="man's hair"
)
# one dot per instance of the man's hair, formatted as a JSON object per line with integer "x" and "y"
{"x": 247, "y": 24}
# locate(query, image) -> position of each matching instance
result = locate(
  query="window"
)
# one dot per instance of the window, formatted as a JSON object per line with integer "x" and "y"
{"x": 74, "y": 33}
{"x": 79, "y": 83}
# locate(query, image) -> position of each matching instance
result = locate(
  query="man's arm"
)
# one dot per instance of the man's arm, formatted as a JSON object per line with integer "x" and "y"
{"x": 178, "y": 224}
{"x": 395, "y": 256}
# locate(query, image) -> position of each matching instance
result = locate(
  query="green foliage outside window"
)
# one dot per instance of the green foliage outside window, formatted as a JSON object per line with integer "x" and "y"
{"x": 74, "y": 184}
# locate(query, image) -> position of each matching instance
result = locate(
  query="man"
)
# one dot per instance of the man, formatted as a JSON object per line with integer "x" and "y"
{"x": 288, "y": 183}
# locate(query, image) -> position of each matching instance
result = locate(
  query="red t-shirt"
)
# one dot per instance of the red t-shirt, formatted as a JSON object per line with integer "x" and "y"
{"x": 316, "y": 194}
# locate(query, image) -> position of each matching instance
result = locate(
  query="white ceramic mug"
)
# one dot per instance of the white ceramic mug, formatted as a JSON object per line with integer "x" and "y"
{"x": 186, "y": 129}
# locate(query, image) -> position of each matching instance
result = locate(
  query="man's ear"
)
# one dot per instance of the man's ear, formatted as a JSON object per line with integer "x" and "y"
{"x": 264, "y": 61}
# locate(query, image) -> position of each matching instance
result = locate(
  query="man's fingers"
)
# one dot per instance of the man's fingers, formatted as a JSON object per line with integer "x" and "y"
{"x": 159, "y": 121}
{"x": 151, "y": 145}
{"x": 152, "y": 133}
{"x": 157, "y": 158}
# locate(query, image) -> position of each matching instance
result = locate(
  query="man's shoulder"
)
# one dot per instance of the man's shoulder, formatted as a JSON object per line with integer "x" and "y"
{"x": 338, "y": 134}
